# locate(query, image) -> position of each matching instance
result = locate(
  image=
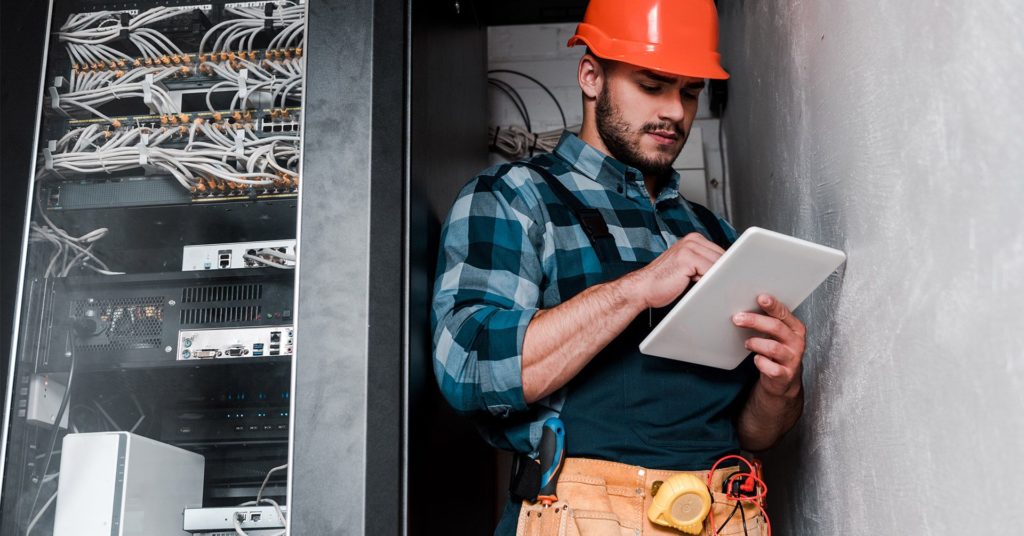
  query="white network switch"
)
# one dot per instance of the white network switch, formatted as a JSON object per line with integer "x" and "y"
{"x": 254, "y": 519}
{"x": 233, "y": 255}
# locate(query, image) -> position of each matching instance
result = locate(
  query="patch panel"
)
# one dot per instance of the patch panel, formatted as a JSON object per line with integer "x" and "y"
{"x": 122, "y": 62}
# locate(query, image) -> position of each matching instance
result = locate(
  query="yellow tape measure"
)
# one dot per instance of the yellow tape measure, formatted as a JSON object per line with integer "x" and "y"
{"x": 681, "y": 502}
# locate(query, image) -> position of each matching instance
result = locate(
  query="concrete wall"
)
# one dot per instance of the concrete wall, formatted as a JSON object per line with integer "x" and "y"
{"x": 892, "y": 130}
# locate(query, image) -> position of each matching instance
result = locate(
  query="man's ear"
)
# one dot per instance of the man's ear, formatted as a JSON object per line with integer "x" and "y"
{"x": 591, "y": 76}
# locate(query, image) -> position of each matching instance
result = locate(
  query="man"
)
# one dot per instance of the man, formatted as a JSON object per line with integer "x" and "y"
{"x": 552, "y": 271}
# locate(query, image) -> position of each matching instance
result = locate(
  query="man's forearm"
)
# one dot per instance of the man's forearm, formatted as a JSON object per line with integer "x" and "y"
{"x": 766, "y": 416}
{"x": 560, "y": 341}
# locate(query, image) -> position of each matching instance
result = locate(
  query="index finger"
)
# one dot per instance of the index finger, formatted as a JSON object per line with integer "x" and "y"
{"x": 702, "y": 240}
{"x": 777, "y": 309}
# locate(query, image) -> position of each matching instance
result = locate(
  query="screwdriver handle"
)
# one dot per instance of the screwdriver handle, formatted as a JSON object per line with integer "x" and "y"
{"x": 551, "y": 457}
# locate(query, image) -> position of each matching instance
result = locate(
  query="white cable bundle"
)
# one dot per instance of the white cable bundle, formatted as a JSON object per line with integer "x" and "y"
{"x": 281, "y": 260}
{"x": 240, "y": 33}
{"x": 99, "y": 90}
{"x": 96, "y": 54}
{"x": 94, "y": 85}
{"x": 260, "y": 500}
{"x": 245, "y": 160}
{"x": 282, "y": 74}
{"x": 88, "y": 30}
{"x": 79, "y": 249}
{"x": 285, "y": 77}
{"x": 515, "y": 142}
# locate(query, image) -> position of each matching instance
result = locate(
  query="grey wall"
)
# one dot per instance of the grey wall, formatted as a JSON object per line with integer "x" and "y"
{"x": 892, "y": 130}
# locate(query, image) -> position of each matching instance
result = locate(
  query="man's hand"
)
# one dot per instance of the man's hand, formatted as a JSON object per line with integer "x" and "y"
{"x": 667, "y": 276}
{"x": 776, "y": 402}
{"x": 780, "y": 352}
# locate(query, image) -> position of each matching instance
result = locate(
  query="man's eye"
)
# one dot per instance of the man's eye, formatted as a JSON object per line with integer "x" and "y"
{"x": 691, "y": 95}
{"x": 649, "y": 88}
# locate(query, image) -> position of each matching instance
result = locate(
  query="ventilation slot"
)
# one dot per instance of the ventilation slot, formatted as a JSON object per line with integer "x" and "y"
{"x": 128, "y": 323}
{"x": 220, "y": 315}
{"x": 222, "y": 293}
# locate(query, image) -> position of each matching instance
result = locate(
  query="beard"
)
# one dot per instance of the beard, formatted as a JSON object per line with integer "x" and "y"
{"x": 624, "y": 143}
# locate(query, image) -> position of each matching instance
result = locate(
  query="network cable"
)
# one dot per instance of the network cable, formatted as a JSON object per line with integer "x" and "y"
{"x": 514, "y": 142}
{"x": 542, "y": 86}
{"x": 260, "y": 500}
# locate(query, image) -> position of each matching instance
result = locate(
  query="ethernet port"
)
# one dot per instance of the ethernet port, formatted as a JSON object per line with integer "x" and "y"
{"x": 255, "y": 516}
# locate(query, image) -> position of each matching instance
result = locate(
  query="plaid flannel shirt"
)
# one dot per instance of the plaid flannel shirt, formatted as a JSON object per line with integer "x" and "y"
{"x": 501, "y": 256}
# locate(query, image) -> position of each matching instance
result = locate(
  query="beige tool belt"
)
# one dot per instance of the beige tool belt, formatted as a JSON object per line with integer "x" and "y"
{"x": 600, "y": 498}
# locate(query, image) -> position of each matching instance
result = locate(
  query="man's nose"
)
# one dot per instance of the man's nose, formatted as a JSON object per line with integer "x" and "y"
{"x": 672, "y": 108}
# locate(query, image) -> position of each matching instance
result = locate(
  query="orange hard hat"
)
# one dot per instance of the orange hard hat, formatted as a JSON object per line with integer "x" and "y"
{"x": 679, "y": 37}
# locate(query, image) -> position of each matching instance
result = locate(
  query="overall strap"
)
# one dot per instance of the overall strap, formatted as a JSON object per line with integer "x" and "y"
{"x": 711, "y": 223}
{"x": 590, "y": 219}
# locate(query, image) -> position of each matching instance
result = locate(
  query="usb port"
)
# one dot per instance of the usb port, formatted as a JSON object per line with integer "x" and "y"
{"x": 257, "y": 346}
{"x": 224, "y": 256}
{"x": 257, "y": 354}
{"x": 275, "y": 352}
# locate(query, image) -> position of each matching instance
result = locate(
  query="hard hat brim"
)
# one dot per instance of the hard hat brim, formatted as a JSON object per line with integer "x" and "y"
{"x": 649, "y": 55}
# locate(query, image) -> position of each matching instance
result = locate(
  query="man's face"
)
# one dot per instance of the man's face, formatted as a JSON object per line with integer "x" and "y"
{"x": 644, "y": 116}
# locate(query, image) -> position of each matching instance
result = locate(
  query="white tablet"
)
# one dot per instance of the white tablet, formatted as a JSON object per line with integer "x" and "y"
{"x": 699, "y": 328}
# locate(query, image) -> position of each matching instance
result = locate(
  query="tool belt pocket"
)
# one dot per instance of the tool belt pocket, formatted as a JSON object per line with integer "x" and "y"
{"x": 596, "y": 523}
{"x": 558, "y": 519}
{"x": 539, "y": 520}
{"x": 590, "y": 507}
{"x": 744, "y": 520}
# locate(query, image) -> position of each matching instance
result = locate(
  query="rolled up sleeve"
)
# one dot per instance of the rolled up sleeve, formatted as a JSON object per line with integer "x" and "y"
{"x": 485, "y": 295}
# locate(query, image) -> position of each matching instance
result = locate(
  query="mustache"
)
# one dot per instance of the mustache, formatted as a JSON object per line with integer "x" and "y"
{"x": 664, "y": 126}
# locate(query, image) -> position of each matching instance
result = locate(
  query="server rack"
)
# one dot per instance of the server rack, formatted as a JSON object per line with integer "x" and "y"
{"x": 156, "y": 293}
{"x": 382, "y": 155}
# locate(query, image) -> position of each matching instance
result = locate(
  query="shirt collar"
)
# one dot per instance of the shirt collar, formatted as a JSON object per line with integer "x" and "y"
{"x": 606, "y": 170}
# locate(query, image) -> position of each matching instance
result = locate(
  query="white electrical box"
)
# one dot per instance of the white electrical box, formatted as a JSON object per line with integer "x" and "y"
{"x": 239, "y": 255}
{"x": 121, "y": 484}
{"x": 45, "y": 393}
{"x": 224, "y": 343}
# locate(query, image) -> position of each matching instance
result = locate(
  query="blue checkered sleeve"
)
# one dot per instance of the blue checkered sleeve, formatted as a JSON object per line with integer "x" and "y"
{"x": 486, "y": 292}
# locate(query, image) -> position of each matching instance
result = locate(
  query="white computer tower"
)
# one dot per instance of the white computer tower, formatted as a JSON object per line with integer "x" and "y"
{"x": 122, "y": 484}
